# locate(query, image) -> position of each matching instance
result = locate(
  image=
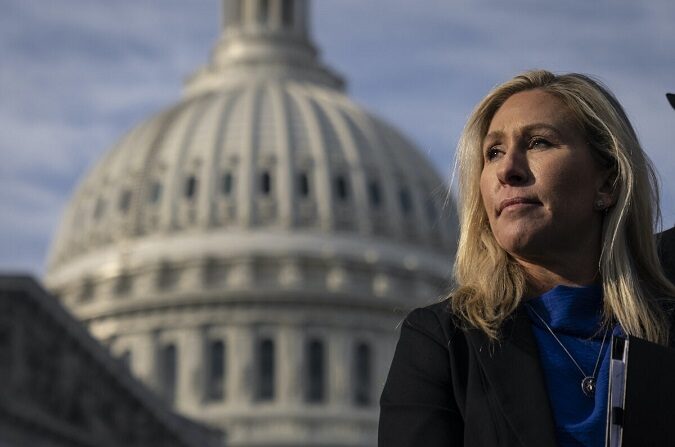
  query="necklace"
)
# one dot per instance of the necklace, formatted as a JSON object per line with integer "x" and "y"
{"x": 588, "y": 382}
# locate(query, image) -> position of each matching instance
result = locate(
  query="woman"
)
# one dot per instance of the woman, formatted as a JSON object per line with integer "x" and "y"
{"x": 557, "y": 203}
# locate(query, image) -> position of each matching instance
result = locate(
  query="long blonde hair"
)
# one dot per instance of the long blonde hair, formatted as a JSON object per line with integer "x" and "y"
{"x": 491, "y": 284}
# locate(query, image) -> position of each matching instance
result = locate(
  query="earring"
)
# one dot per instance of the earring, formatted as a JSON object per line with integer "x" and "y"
{"x": 600, "y": 204}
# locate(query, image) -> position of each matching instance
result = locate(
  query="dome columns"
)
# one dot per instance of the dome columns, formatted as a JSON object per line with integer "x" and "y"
{"x": 191, "y": 369}
{"x": 290, "y": 342}
{"x": 338, "y": 378}
{"x": 290, "y": 16}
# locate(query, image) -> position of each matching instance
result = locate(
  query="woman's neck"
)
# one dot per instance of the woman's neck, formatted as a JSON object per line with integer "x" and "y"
{"x": 541, "y": 278}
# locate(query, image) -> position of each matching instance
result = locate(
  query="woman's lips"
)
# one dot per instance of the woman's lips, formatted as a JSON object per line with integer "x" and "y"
{"x": 514, "y": 201}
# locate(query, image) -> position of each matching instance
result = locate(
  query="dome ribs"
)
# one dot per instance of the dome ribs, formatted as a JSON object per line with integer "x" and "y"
{"x": 180, "y": 211}
{"x": 217, "y": 163}
{"x": 285, "y": 165}
{"x": 345, "y": 168}
{"x": 319, "y": 142}
{"x": 206, "y": 155}
{"x": 147, "y": 217}
{"x": 247, "y": 185}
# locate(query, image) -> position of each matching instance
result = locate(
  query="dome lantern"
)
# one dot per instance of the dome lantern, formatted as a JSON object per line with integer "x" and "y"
{"x": 263, "y": 39}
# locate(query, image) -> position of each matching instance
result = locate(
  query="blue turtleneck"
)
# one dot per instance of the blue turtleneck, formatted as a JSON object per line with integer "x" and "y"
{"x": 574, "y": 314}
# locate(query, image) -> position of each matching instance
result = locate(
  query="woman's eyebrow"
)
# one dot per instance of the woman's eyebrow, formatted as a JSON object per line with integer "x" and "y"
{"x": 494, "y": 135}
{"x": 539, "y": 126}
{"x": 530, "y": 128}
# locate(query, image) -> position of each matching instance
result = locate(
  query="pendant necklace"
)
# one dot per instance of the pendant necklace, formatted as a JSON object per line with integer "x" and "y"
{"x": 588, "y": 383}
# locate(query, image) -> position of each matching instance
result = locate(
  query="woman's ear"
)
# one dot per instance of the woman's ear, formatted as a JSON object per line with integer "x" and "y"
{"x": 608, "y": 189}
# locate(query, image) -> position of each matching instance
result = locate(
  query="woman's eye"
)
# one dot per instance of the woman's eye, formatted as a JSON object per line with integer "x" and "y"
{"x": 539, "y": 143}
{"x": 491, "y": 153}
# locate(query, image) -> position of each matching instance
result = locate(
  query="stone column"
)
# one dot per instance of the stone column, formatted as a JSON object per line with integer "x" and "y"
{"x": 240, "y": 363}
{"x": 190, "y": 369}
{"x": 289, "y": 363}
{"x": 339, "y": 369}
{"x": 144, "y": 348}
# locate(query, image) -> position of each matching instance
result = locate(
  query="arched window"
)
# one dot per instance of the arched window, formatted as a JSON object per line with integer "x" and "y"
{"x": 265, "y": 366}
{"x": 266, "y": 183}
{"x": 287, "y": 13}
{"x": 341, "y": 188}
{"x": 263, "y": 11}
{"x": 362, "y": 375}
{"x": 168, "y": 372}
{"x": 303, "y": 184}
{"x": 227, "y": 184}
{"x": 215, "y": 380}
{"x": 190, "y": 187}
{"x": 315, "y": 374}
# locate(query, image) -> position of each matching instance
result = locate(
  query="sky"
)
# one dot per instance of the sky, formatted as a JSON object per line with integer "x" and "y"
{"x": 76, "y": 75}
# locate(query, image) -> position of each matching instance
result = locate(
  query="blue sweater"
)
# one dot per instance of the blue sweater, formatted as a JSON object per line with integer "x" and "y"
{"x": 574, "y": 314}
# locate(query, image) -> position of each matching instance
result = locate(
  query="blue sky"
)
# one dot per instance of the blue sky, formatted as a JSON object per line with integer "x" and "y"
{"x": 75, "y": 75}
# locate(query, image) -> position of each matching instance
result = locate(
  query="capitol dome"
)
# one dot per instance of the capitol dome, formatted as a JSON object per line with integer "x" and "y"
{"x": 249, "y": 250}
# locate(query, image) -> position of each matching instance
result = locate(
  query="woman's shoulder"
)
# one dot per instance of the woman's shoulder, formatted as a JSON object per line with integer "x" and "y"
{"x": 435, "y": 320}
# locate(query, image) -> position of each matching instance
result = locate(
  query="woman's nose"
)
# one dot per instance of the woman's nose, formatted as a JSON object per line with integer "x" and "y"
{"x": 513, "y": 168}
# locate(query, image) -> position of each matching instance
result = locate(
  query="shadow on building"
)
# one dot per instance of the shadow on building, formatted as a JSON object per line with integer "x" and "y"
{"x": 60, "y": 387}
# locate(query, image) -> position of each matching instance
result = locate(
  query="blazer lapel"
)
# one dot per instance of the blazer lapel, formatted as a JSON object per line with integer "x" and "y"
{"x": 512, "y": 369}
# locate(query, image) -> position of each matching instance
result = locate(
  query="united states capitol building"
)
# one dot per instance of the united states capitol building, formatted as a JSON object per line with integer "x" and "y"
{"x": 249, "y": 252}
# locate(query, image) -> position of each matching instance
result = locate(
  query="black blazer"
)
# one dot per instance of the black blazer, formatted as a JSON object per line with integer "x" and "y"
{"x": 452, "y": 387}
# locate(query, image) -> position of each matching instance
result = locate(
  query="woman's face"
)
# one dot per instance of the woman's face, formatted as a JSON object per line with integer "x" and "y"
{"x": 539, "y": 181}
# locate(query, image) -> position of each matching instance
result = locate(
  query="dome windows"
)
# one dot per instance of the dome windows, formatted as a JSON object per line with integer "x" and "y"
{"x": 190, "y": 187}
{"x": 168, "y": 357}
{"x": 215, "y": 377}
{"x": 266, "y": 183}
{"x": 227, "y": 184}
{"x": 362, "y": 375}
{"x": 315, "y": 374}
{"x": 265, "y": 370}
{"x": 303, "y": 184}
{"x": 341, "y": 188}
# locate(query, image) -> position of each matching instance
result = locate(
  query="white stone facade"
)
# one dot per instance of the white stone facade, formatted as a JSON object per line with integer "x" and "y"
{"x": 266, "y": 222}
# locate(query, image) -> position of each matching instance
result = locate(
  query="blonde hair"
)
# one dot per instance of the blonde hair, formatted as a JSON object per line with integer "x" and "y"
{"x": 491, "y": 284}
